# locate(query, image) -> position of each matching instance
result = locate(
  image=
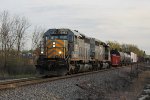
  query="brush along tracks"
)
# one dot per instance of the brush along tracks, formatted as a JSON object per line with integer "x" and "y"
{"x": 36, "y": 80}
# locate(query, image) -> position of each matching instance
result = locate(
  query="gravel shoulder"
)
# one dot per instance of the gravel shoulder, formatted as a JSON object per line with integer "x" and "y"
{"x": 145, "y": 93}
{"x": 111, "y": 85}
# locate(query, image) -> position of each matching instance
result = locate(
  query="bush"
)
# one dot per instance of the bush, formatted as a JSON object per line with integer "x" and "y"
{"x": 17, "y": 66}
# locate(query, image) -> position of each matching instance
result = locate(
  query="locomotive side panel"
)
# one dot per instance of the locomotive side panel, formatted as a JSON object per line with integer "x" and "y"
{"x": 87, "y": 53}
{"x": 101, "y": 56}
{"x": 92, "y": 49}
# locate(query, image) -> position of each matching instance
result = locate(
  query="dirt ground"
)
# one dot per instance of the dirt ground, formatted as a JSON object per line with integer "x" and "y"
{"x": 135, "y": 88}
{"x": 144, "y": 82}
{"x": 128, "y": 86}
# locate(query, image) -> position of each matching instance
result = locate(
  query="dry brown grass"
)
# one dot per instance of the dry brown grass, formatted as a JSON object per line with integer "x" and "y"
{"x": 16, "y": 66}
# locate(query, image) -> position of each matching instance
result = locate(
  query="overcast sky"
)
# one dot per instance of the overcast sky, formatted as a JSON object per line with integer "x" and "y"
{"x": 125, "y": 21}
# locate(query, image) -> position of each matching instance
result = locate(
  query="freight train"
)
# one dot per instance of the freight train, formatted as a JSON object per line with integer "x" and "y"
{"x": 122, "y": 58}
{"x": 66, "y": 51}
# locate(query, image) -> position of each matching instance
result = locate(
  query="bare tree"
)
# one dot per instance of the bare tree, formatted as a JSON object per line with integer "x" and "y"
{"x": 37, "y": 37}
{"x": 12, "y": 35}
{"x": 21, "y": 25}
{"x": 4, "y": 34}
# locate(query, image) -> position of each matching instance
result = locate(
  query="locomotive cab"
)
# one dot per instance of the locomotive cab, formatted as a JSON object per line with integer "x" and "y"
{"x": 54, "y": 52}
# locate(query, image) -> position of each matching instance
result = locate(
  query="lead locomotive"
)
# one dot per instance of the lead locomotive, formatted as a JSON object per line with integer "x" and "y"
{"x": 65, "y": 51}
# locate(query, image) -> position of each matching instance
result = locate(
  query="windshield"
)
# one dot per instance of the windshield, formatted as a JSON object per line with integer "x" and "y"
{"x": 62, "y": 37}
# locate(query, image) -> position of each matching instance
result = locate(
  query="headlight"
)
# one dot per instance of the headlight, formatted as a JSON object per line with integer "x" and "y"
{"x": 53, "y": 42}
{"x": 60, "y": 52}
{"x": 41, "y": 52}
{"x": 53, "y": 45}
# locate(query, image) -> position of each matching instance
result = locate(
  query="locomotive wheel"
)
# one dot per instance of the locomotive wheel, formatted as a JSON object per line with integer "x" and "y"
{"x": 62, "y": 72}
{"x": 101, "y": 66}
{"x": 70, "y": 71}
{"x": 108, "y": 66}
{"x": 77, "y": 67}
{"x": 98, "y": 66}
{"x": 94, "y": 67}
{"x": 39, "y": 70}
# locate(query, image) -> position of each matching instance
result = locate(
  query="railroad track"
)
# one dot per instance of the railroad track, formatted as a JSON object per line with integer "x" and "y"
{"x": 36, "y": 80}
{"x": 17, "y": 82}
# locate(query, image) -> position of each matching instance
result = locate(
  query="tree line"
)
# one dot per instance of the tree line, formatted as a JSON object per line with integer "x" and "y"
{"x": 13, "y": 38}
{"x": 126, "y": 48}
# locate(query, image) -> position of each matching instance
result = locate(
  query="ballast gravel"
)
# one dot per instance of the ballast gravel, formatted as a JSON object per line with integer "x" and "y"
{"x": 88, "y": 87}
